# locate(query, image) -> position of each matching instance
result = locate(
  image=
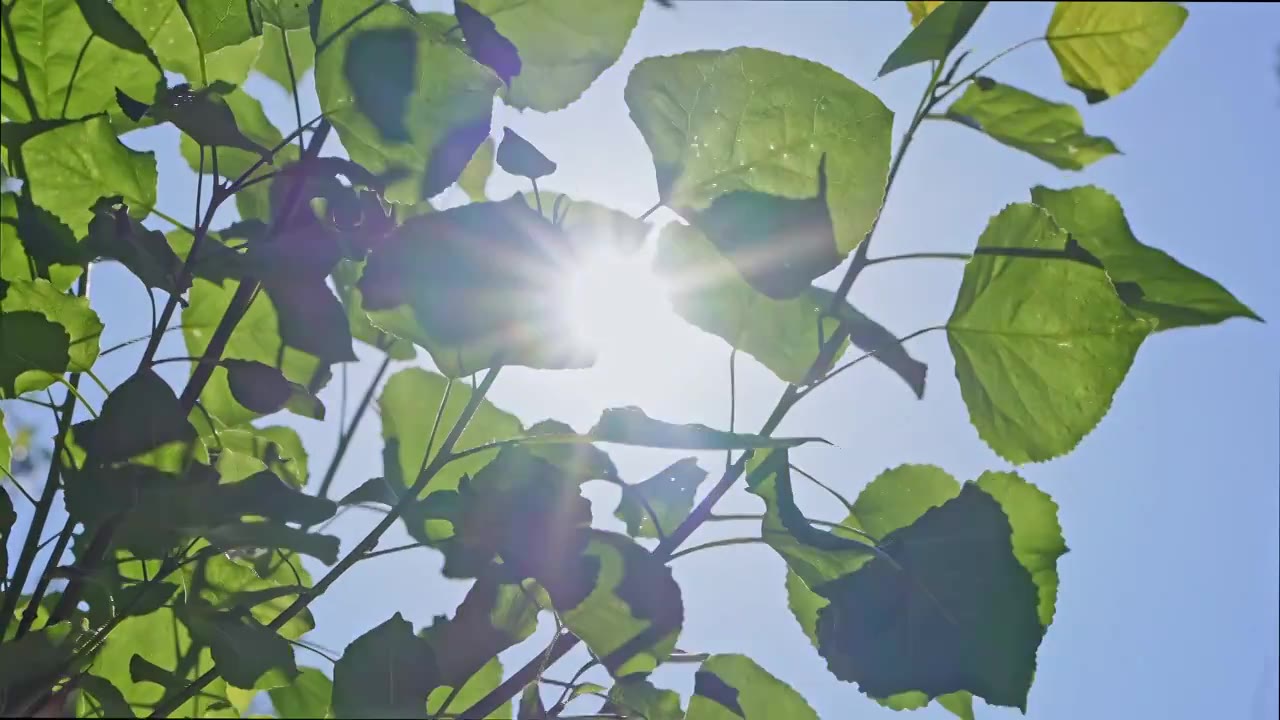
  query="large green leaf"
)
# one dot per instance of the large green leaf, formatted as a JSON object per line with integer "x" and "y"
{"x": 408, "y": 406}
{"x": 563, "y": 45}
{"x": 45, "y": 333}
{"x": 386, "y": 672}
{"x": 1051, "y": 131}
{"x": 245, "y": 652}
{"x": 248, "y": 120}
{"x": 71, "y": 68}
{"x": 272, "y": 62}
{"x": 220, "y": 23}
{"x": 658, "y": 505}
{"x": 308, "y": 696}
{"x": 952, "y": 610}
{"x": 345, "y": 279}
{"x": 415, "y": 114}
{"x": 164, "y": 26}
{"x": 631, "y": 426}
{"x": 70, "y": 167}
{"x": 1166, "y": 290}
{"x": 1037, "y": 536}
{"x": 434, "y": 282}
{"x": 748, "y": 119}
{"x": 639, "y": 697}
{"x": 256, "y": 337}
{"x": 34, "y": 243}
{"x": 729, "y": 687}
{"x": 142, "y": 414}
{"x": 1037, "y": 373}
{"x": 475, "y": 687}
{"x": 248, "y": 450}
{"x": 935, "y": 36}
{"x": 1104, "y": 47}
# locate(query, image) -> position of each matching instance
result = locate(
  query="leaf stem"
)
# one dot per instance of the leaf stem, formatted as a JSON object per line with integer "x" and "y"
{"x": 920, "y": 256}
{"x": 42, "y": 586}
{"x": 715, "y": 544}
{"x": 370, "y": 541}
{"x": 865, "y": 356}
{"x": 345, "y": 440}
{"x": 976, "y": 71}
{"x": 27, "y": 557}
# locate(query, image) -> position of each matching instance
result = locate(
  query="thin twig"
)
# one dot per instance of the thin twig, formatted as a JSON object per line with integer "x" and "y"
{"x": 344, "y": 442}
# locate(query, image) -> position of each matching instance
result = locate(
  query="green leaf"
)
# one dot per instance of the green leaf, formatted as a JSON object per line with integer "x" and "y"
{"x": 388, "y": 116}
{"x": 146, "y": 253}
{"x": 935, "y": 36}
{"x": 249, "y": 450}
{"x": 248, "y": 119}
{"x": 563, "y": 47}
{"x": 34, "y": 244}
{"x": 1037, "y": 373}
{"x": 734, "y": 686}
{"x": 232, "y": 64}
{"x": 272, "y": 62}
{"x": 658, "y": 505}
{"x": 1050, "y": 131}
{"x": 71, "y": 70}
{"x": 748, "y": 119}
{"x": 107, "y": 698}
{"x": 245, "y": 652}
{"x": 345, "y": 279}
{"x": 1167, "y": 291}
{"x": 474, "y": 688}
{"x": 408, "y": 406}
{"x": 434, "y": 282}
{"x": 386, "y": 672}
{"x": 519, "y": 157}
{"x": 288, "y": 14}
{"x": 142, "y": 414}
{"x": 779, "y": 245}
{"x": 72, "y": 166}
{"x": 486, "y": 44}
{"x": 374, "y": 490}
{"x": 631, "y": 426}
{"x": 531, "y": 707}
{"x": 205, "y": 117}
{"x": 899, "y": 496}
{"x": 307, "y": 696}
{"x": 257, "y": 386}
{"x": 164, "y": 27}
{"x": 591, "y": 226}
{"x": 870, "y": 336}
{"x": 39, "y": 657}
{"x": 476, "y": 174}
{"x": 256, "y": 337}
{"x": 580, "y": 461}
{"x": 953, "y": 593}
{"x": 920, "y": 9}
{"x": 816, "y": 556}
{"x": 1103, "y": 48}
{"x": 1037, "y": 536}
{"x": 220, "y": 23}
{"x": 52, "y": 333}
{"x": 639, "y": 698}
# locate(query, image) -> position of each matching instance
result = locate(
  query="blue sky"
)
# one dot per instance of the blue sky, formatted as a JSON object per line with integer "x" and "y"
{"x": 1168, "y": 599}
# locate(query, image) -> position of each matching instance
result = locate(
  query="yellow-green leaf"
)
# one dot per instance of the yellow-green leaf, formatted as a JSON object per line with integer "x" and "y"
{"x": 1104, "y": 47}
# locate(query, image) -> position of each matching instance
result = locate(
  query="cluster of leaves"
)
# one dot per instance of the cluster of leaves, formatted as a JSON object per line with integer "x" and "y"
{"x": 188, "y": 518}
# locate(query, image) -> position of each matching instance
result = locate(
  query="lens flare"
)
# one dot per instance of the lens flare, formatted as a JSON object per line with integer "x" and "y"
{"x": 617, "y": 306}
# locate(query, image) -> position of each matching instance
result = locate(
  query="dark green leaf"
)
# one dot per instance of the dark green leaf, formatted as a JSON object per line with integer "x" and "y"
{"x": 936, "y": 36}
{"x": 36, "y": 351}
{"x": 246, "y": 117}
{"x": 729, "y": 686}
{"x": 71, "y": 67}
{"x": 434, "y": 282}
{"x": 271, "y": 61}
{"x": 245, "y": 652}
{"x": 759, "y": 121}
{"x": 476, "y": 174}
{"x": 257, "y": 386}
{"x": 562, "y": 46}
{"x": 114, "y": 235}
{"x": 1037, "y": 536}
{"x": 220, "y": 23}
{"x": 779, "y": 245}
{"x": 452, "y": 154}
{"x": 72, "y": 166}
{"x": 387, "y": 672}
{"x": 37, "y": 658}
{"x": 140, "y": 415}
{"x": 73, "y": 314}
{"x": 254, "y": 535}
{"x": 490, "y": 619}
{"x": 106, "y": 697}
{"x": 1038, "y": 373}
{"x": 205, "y": 117}
{"x": 1171, "y": 293}
{"x": 486, "y": 44}
{"x": 658, "y": 505}
{"x": 870, "y": 336}
{"x": 519, "y": 157}
{"x": 639, "y": 698}
{"x": 1103, "y": 48}
{"x": 35, "y": 244}
{"x": 580, "y": 461}
{"x": 393, "y": 111}
{"x": 345, "y": 279}
{"x": 311, "y": 318}
{"x": 1050, "y": 131}
{"x": 308, "y": 696}
{"x": 374, "y": 490}
{"x": 631, "y": 426}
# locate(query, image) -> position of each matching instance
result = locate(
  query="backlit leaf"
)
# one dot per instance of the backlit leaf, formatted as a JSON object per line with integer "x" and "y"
{"x": 386, "y": 672}
{"x": 308, "y": 696}
{"x": 34, "y": 243}
{"x": 519, "y": 157}
{"x": 748, "y": 119}
{"x": 389, "y": 116}
{"x": 934, "y": 37}
{"x": 476, "y": 174}
{"x": 631, "y": 426}
{"x": 639, "y": 698}
{"x": 249, "y": 120}
{"x": 870, "y": 336}
{"x": 952, "y": 611}
{"x": 345, "y": 279}
{"x": 486, "y": 44}
{"x": 1103, "y": 47}
{"x": 474, "y": 687}
{"x": 164, "y": 26}
{"x": 72, "y": 166}
{"x": 140, "y": 415}
{"x": 219, "y": 23}
{"x": 920, "y": 9}
{"x": 1050, "y": 131}
{"x": 36, "y": 351}
{"x": 205, "y": 117}
{"x": 734, "y": 686}
{"x": 244, "y": 651}
{"x": 271, "y": 61}
{"x": 1037, "y": 536}
{"x": 146, "y": 253}
{"x": 37, "y": 345}
{"x": 563, "y": 46}
{"x": 657, "y": 506}
{"x": 1167, "y": 291}
{"x": 1038, "y": 373}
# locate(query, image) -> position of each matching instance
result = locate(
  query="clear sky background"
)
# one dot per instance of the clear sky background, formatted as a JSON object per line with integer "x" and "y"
{"x": 1168, "y": 598}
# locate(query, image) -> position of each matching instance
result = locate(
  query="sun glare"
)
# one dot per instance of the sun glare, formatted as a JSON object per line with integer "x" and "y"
{"x": 618, "y": 307}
